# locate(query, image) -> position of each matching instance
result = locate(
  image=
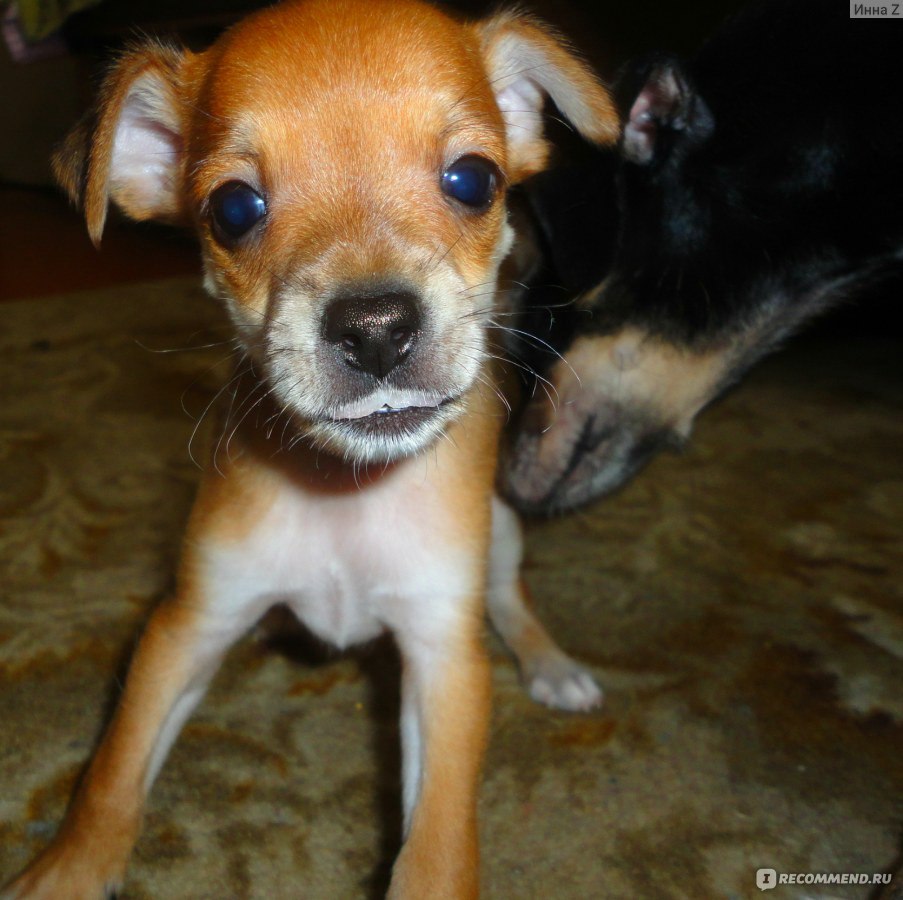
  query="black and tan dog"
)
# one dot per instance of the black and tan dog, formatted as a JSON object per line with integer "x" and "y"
{"x": 754, "y": 186}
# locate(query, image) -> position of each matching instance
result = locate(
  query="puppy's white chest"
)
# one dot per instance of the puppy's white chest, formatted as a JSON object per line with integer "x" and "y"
{"x": 335, "y": 602}
{"x": 349, "y": 566}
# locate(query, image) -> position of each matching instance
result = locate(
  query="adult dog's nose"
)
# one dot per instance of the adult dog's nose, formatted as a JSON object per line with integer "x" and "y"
{"x": 373, "y": 334}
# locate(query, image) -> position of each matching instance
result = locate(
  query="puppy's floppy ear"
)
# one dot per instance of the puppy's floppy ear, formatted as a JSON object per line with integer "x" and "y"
{"x": 526, "y": 63}
{"x": 667, "y": 112}
{"x": 129, "y": 149}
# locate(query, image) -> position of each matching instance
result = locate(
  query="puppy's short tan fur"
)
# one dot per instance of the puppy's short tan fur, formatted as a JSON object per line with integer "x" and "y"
{"x": 361, "y": 498}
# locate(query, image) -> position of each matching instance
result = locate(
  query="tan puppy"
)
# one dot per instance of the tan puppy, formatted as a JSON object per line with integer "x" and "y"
{"x": 344, "y": 163}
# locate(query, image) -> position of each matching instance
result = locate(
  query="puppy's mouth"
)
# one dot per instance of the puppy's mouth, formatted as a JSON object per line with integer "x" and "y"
{"x": 393, "y": 420}
{"x": 387, "y": 425}
{"x": 387, "y": 407}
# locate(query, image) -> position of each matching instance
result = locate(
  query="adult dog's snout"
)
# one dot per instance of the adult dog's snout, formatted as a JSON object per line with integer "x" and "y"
{"x": 373, "y": 334}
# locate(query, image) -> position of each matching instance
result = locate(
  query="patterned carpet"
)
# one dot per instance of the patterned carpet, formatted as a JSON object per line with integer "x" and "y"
{"x": 741, "y": 605}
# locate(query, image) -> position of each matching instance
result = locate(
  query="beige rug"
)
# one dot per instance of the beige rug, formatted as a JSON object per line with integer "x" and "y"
{"x": 741, "y": 605}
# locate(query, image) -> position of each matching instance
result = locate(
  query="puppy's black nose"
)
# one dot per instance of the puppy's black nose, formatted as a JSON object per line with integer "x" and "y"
{"x": 374, "y": 334}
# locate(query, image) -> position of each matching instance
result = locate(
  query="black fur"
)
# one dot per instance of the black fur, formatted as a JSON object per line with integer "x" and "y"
{"x": 799, "y": 182}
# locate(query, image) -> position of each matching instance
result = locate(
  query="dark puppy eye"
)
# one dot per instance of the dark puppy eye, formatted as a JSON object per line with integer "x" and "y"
{"x": 236, "y": 208}
{"x": 471, "y": 180}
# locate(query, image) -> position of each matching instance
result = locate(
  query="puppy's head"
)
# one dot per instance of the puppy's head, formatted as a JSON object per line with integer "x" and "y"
{"x": 345, "y": 164}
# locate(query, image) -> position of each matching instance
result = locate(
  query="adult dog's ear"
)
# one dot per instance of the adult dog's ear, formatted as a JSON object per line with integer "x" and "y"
{"x": 665, "y": 113}
{"x": 129, "y": 148}
{"x": 526, "y": 63}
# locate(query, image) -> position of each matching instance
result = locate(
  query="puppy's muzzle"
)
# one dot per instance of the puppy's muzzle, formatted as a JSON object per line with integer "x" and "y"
{"x": 373, "y": 335}
{"x": 388, "y": 396}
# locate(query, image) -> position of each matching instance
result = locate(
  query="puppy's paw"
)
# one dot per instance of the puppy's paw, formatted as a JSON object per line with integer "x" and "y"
{"x": 561, "y": 683}
{"x": 49, "y": 878}
{"x": 28, "y": 887}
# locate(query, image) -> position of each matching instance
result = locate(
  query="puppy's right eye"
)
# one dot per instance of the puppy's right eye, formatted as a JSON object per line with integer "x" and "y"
{"x": 236, "y": 208}
{"x": 471, "y": 180}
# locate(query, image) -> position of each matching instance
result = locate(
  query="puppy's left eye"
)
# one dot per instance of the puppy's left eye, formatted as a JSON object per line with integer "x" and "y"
{"x": 471, "y": 180}
{"x": 236, "y": 208}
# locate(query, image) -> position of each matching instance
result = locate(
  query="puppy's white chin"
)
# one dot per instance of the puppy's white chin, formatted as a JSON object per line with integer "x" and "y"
{"x": 385, "y": 435}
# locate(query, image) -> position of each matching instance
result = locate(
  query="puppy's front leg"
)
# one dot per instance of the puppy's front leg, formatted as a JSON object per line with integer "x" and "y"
{"x": 178, "y": 654}
{"x": 445, "y": 716}
{"x": 551, "y": 676}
